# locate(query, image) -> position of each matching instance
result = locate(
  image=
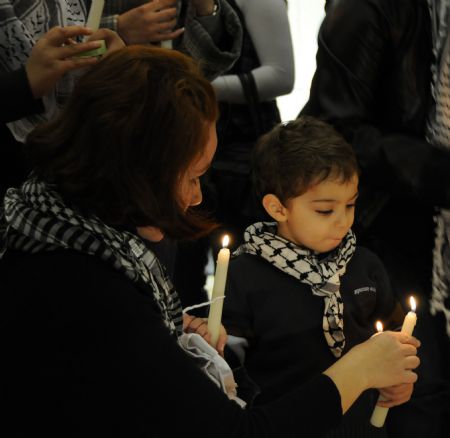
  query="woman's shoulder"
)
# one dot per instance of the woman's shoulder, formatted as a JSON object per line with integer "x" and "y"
{"x": 65, "y": 276}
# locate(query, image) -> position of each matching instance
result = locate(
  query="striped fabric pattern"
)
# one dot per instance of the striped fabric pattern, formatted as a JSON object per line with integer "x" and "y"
{"x": 36, "y": 219}
{"x": 322, "y": 274}
{"x": 438, "y": 134}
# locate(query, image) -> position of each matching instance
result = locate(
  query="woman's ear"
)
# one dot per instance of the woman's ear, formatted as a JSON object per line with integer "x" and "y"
{"x": 274, "y": 207}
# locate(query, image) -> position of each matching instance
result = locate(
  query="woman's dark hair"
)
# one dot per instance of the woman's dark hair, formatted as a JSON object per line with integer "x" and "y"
{"x": 131, "y": 128}
{"x": 294, "y": 156}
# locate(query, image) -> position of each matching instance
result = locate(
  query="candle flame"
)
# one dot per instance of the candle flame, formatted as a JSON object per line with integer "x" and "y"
{"x": 379, "y": 326}
{"x": 225, "y": 241}
{"x": 412, "y": 302}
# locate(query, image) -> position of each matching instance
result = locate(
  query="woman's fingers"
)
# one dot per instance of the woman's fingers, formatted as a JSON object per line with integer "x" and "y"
{"x": 406, "y": 339}
{"x": 71, "y": 50}
{"x": 58, "y": 35}
{"x": 411, "y": 362}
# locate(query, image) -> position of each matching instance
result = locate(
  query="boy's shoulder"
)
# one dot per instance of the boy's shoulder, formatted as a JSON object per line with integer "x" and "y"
{"x": 245, "y": 261}
{"x": 253, "y": 272}
{"x": 366, "y": 260}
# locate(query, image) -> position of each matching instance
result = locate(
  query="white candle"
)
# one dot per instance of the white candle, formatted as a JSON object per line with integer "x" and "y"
{"x": 95, "y": 14}
{"x": 410, "y": 318}
{"x": 380, "y": 413}
{"x": 166, "y": 44}
{"x": 218, "y": 292}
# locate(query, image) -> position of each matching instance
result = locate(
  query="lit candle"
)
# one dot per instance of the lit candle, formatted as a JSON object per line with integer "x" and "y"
{"x": 218, "y": 292}
{"x": 410, "y": 318}
{"x": 95, "y": 14}
{"x": 379, "y": 413}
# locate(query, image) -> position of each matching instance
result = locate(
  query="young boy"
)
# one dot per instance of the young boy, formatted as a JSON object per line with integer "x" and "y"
{"x": 300, "y": 293}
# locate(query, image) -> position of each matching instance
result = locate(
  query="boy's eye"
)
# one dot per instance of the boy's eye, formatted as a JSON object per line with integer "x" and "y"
{"x": 324, "y": 212}
{"x": 351, "y": 206}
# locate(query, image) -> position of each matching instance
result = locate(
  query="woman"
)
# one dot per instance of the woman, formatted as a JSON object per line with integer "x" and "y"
{"x": 89, "y": 334}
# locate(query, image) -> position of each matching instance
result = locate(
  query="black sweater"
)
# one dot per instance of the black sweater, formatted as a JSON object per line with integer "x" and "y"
{"x": 282, "y": 321}
{"x": 85, "y": 353}
{"x": 17, "y": 102}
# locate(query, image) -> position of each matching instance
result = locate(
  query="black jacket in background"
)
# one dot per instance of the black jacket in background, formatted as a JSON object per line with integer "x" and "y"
{"x": 373, "y": 84}
{"x": 17, "y": 102}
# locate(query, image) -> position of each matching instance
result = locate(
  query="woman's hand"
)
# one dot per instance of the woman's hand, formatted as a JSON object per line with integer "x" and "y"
{"x": 150, "y": 22}
{"x": 389, "y": 359}
{"x": 192, "y": 324}
{"x": 54, "y": 55}
{"x": 386, "y": 359}
{"x": 395, "y": 395}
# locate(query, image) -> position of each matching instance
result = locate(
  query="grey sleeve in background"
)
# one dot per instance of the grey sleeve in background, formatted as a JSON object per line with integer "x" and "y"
{"x": 268, "y": 25}
{"x": 215, "y": 41}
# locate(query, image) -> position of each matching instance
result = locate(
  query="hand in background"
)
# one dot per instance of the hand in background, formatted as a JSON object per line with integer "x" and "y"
{"x": 395, "y": 395}
{"x": 192, "y": 324}
{"x": 151, "y": 22}
{"x": 203, "y": 7}
{"x": 112, "y": 40}
{"x": 53, "y": 56}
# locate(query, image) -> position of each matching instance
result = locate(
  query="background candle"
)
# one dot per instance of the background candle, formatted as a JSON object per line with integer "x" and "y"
{"x": 166, "y": 44}
{"x": 379, "y": 413}
{"x": 95, "y": 14}
{"x": 220, "y": 278}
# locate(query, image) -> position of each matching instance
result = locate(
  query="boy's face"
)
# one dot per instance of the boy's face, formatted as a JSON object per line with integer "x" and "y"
{"x": 321, "y": 217}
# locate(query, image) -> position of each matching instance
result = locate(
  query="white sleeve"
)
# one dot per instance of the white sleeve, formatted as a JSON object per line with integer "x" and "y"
{"x": 268, "y": 25}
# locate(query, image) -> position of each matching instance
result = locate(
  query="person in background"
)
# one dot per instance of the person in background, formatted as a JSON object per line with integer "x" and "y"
{"x": 247, "y": 100}
{"x": 90, "y": 335}
{"x": 23, "y": 88}
{"x": 379, "y": 63}
{"x": 313, "y": 293}
{"x": 207, "y": 30}
{"x": 22, "y": 25}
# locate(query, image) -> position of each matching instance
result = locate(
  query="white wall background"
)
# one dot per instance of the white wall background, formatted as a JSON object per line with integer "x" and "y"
{"x": 305, "y": 17}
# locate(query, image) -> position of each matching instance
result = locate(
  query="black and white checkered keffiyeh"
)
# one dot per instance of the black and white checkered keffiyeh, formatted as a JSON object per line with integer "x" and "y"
{"x": 321, "y": 273}
{"x": 22, "y": 24}
{"x": 438, "y": 134}
{"x": 36, "y": 219}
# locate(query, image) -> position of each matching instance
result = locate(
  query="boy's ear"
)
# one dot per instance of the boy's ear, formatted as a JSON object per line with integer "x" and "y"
{"x": 274, "y": 207}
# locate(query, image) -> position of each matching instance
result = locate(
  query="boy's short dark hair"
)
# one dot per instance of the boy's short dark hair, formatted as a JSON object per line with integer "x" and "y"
{"x": 294, "y": 156}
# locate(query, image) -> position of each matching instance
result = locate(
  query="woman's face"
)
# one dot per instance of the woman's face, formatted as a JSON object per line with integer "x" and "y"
{"x": 190, "y": 190}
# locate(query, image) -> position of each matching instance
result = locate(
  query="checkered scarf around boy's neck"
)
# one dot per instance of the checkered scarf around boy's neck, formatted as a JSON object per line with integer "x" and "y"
{"x": 22, "y": 24}
{"x": 322, "y": 274}
{"x": 35, "y": 218}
